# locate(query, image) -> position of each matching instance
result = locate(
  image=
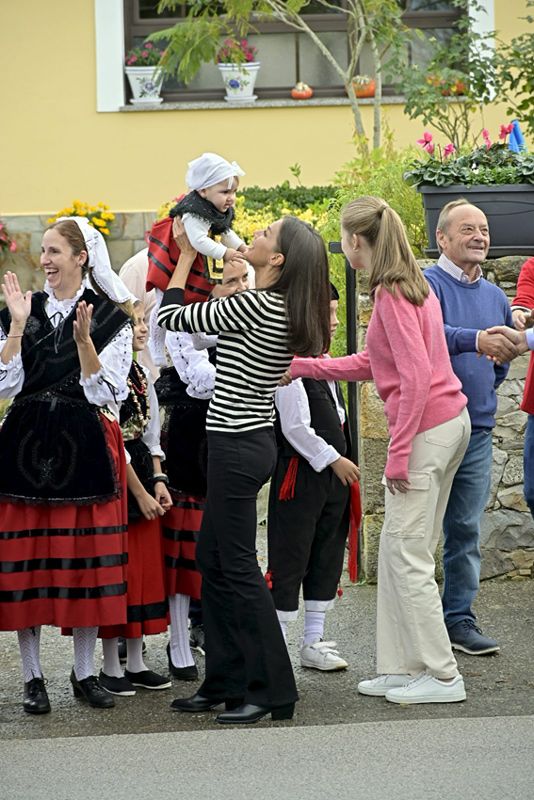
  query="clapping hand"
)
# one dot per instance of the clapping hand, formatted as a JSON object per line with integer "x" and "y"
{"x": 82, "y": 324}
{"x": 19, "y": 303}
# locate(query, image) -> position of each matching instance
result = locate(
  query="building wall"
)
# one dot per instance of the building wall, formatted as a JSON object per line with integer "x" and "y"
{"x": 56, "y": 147}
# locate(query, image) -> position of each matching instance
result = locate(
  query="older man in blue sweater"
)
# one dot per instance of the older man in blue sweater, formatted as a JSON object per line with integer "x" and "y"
{"x": 470, "y": 306}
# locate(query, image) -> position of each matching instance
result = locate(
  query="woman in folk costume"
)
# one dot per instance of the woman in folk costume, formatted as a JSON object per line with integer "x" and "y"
{"x": 65, "y": 353}
{"x": 148, "y": 500}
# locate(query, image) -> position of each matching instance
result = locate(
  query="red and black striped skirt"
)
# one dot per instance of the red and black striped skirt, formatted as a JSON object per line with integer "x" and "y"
{"x": 181, "y": 525}
{"x": 147, "y": 601}
{"x": 66, "y": 565}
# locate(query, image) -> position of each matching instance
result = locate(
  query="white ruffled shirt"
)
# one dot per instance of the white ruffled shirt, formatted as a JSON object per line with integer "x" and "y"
{"x": 295, "y": 420}
{"x": 193, "y": 366}
{"x": 107, "y": 387}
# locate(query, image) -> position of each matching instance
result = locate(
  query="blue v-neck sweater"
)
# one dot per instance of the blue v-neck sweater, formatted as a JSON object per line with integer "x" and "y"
{"x": 468, "y": 308}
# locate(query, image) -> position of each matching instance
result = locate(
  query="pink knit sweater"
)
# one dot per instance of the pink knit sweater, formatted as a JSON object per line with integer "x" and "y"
{"x": 406, "y": 355}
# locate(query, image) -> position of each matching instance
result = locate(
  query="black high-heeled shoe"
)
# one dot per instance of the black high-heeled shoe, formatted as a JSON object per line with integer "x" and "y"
{"x": 198, "y": 704}
{"x": 89, "y": 689}
{"x": 248, "y": 713}
{"x": 35, "y": 700}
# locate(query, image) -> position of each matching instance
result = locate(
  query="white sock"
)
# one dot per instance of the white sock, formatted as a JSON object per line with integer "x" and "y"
{"x": 112, "y": 665}
{"x": 134, "y": 655}
{"x": 84, "y": 650}
{"x": 313, "y": 626}
{"x": 181, "y": 655}
{"x": 283, "y": 625}
{"x": 29, "y": 642}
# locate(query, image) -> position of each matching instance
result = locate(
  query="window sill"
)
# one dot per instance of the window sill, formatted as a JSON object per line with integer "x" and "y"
{"x": 208, "y": 105}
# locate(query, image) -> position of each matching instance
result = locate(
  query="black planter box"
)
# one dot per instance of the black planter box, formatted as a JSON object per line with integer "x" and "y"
{"x": 508, "y": 207}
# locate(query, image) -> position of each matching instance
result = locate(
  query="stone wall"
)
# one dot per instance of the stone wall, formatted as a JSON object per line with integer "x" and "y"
{"x": 126, "y": 238}
{"x": 507, "y": 536}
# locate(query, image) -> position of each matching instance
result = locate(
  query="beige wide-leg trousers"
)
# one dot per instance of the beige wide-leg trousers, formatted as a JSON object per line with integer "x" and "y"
{"x": 411, "y": 633}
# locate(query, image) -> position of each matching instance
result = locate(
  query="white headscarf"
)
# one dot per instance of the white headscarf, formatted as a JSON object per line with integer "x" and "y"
{"x": 209, "y": 169}
{"x": 99, "y": 262}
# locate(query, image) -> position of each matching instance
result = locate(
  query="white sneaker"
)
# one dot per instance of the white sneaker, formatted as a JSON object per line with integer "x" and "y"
{"x": 377, "y": 687}
{"x": 322, "y": 655}
{"x": 427, "y": 689}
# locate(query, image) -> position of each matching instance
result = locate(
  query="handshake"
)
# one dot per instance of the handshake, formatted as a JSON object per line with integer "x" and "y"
{"x": 501, "y": 343}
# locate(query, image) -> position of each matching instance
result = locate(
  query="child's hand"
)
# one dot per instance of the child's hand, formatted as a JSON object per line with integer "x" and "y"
{"x": 149, "y": 506}
{"x": 162, "y": 495}
{"x": 232, "y": 254}
{"x": 346, "y": 470}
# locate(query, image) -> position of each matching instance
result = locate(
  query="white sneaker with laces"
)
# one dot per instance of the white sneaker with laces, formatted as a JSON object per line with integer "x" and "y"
{"x": 377, "y": 687}
{"x": 427, "y": 689}
{"x": 322, "y": 655}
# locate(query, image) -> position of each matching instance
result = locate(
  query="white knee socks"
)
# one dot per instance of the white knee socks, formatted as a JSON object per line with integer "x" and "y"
{"x": 29, "y": 641}
{"x": 84, "y": 650}
{"x": 112, "y": 665}
{"x": 313, "y": 626}
{"x": 134, "y": 655}
{"x": 181, "y": 655}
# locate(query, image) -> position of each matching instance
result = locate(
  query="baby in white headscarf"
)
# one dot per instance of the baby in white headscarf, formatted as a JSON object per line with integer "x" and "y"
{"x": 208, "y": 209}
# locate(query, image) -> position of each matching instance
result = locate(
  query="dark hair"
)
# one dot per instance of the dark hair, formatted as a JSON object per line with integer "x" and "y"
{"x": 304, "y": 282}
{"x": 334, "y": 294}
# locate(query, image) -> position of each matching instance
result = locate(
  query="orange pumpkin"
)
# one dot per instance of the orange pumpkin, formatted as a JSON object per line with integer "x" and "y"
{"x": 301, "y": 91}
{"x": 364, "y": 89}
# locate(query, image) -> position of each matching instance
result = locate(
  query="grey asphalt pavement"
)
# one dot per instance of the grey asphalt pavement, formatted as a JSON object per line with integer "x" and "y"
{"x": 340, "y": 744}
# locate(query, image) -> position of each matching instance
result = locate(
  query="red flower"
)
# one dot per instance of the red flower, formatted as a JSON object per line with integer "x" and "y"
{"x": 505, "y": 130}
{"x": 448, "y": 150}
{"x": 426, "y": 142}
{"x": 13, "y": 247}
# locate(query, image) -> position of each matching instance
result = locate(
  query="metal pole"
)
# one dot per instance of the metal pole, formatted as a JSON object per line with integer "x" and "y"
{"x": 352, "y": 339}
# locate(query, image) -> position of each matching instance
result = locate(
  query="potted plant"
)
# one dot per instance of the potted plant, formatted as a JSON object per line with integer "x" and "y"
{"x": 491, "y": 176}
{"x": 364, "y": 86}
{"x": 236, "y": 59}
{"x": 144, "y": 75}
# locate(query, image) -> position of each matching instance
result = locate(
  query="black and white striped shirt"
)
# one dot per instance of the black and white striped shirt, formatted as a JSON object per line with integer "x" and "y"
{"x": 252, "y": 352}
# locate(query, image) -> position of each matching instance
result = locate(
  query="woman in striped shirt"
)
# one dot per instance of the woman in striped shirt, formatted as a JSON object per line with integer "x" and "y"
{"x": 247, "y": 664}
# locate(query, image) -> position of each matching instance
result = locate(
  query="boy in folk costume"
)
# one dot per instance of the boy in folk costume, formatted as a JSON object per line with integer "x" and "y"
{"x": 309, "y": 508}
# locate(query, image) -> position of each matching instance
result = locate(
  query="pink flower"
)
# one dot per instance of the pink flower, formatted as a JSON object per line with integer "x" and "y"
{"x": 448, "y": 150}
{"x": 132, "y": 60}
{"x": 144, "y": 53}
{"x": 13, "y": 247}
{"x": 485, "y": 136}
{"x": 149, "y": 45}
{"x": 426, "y": 142}
{"x": 505, "y": 130}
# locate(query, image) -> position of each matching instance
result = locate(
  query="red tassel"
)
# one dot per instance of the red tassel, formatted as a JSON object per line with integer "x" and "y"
{"x": 287, "y": 489}
{"x": 269, "y": 579}
{"x": 355, "y": 522}
{"x": 339, "y": 591}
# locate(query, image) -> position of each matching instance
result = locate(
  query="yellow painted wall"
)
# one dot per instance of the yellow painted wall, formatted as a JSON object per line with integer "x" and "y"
{"x": 55, "y": 147}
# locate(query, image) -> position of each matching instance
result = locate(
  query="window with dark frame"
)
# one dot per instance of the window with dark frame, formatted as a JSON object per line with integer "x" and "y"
{"x": 288, "y": 56}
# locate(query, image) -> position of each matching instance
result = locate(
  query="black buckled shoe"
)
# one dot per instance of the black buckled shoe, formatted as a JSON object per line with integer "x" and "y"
{"x": 90, "y": 690}
{"x": 248, "y": 713}
{"x": 198, "y": 704}
{"x": 35, "y": 700}
{"x": 182, "y": 673}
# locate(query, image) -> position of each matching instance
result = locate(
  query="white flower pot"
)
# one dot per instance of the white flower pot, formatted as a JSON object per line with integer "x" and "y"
{"x": 145, "y": 83}
{"x": 239, "y": 80}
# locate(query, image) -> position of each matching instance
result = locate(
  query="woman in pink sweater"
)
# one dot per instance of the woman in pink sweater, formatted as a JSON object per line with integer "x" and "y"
{"x": 406, "y": 355}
